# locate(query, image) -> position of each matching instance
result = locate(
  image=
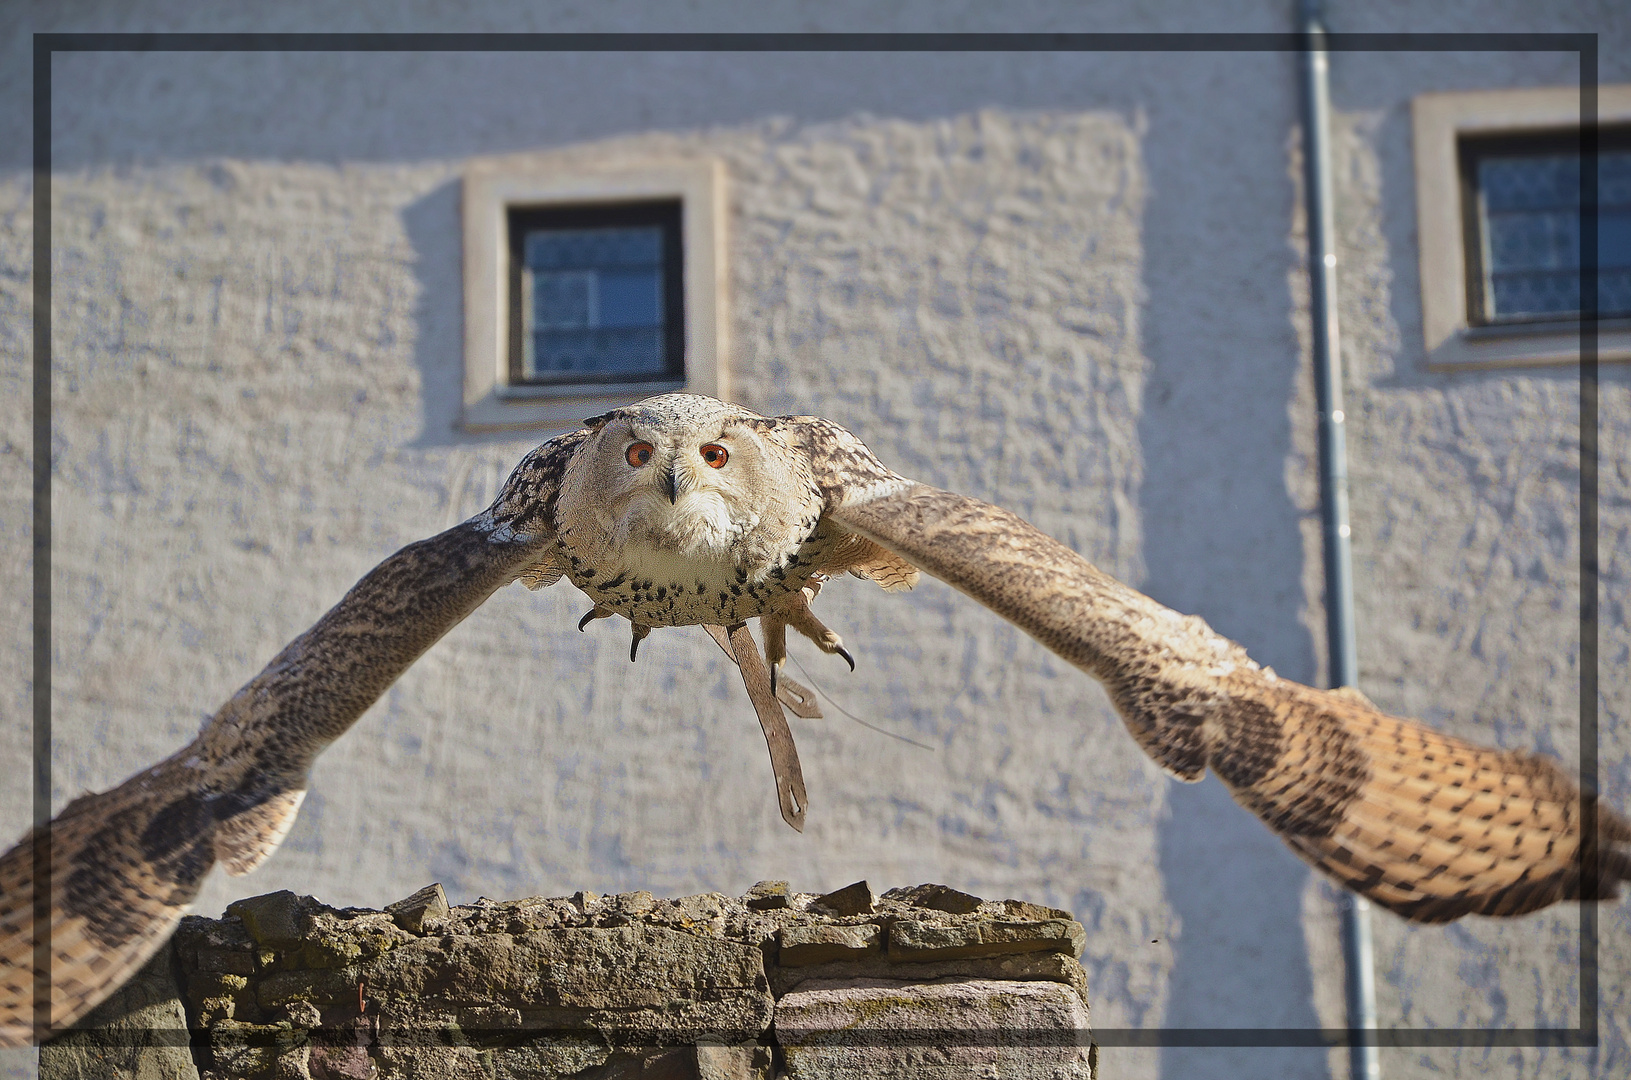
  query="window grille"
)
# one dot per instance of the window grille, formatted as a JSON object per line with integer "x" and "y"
{"x": 1521, "y": 199}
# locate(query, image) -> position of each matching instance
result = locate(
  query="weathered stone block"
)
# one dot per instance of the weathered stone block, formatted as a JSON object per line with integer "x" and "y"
{"x": 323, "y": 987}
{"x": 938, "y": 897}
{"x": 1020, "y": 909}
{"x": 934, "y": 1031}
{"x": 427, "y": 905}
{"x": 1018, "y": 967}
{"x": 243, "y": 1051}
{"x": 273, "y": 920}
{"x": 546, "y": 1059}
{"x": 340, "y": 1051}
{"x": 804, "y": 945}
{"x": 644, "y": 982}
{"x": 856, "y": 899}
{"x": 410, "y": 1062}
{"x": 766, "y": 896}
{"x": 629, "y": 987}
{"x": 719, "y": 1061}
{"x": 625, "y": 908}
{"x": 912, "y": 940}
{"x": 214, "y": 945}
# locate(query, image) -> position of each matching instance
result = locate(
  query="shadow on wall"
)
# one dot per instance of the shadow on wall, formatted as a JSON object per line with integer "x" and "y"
{"x": 1240, "y": 959}
{"x": 1222, "y": 540}
{"x": 432, "y": 227}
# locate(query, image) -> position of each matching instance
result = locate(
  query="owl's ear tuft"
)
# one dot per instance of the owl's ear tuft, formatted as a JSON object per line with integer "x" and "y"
{"x": 595, "y": 423}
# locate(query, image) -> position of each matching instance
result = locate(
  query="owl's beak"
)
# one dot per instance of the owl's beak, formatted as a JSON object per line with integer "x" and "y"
{"x": 671, "y": 485}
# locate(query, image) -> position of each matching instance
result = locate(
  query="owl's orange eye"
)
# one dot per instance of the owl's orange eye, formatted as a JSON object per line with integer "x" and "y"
{"x": 639, "y": 454}
{"x": 715, "y": 455}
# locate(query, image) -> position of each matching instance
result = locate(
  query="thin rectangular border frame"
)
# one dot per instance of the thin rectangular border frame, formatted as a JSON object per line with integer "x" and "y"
{"x": 1584, "y": 45}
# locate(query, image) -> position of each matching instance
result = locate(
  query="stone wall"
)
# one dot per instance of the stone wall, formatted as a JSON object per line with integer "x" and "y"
{"x": 920, "y": 982}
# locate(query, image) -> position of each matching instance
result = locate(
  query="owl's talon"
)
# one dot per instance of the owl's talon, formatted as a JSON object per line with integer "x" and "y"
{"x": 795, "y": 612}
{"x": 640, "y": 633}
{"x": 599, "y": 611}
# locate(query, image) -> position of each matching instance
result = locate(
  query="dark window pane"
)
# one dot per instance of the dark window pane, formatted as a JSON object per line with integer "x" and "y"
{"x": 633, "y": 351}
{"x": 1534, "y": 241}
{"x": 583, "y": 249}
{"x": 1536, "y": 294}
{"x": 1529, "y": 216}
{"x": 631, "y": 298}
{"x": 1614, "y": 292}
{"x": 1614, "y": 179}
{"x": 561, "y": 298}
{"x": 1529, "y": 183}
{"x": 1614, "y": 239}
{"x": 597, "y": 295}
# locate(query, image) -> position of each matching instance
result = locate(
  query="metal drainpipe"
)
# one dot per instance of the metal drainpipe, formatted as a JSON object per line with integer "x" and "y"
{"x": 1339, "y": 622}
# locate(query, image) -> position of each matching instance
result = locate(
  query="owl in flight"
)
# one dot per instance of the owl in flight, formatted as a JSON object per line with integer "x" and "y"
{"x": 683, "y": 510}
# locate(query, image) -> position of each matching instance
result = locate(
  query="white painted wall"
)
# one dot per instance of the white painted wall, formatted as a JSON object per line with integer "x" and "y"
{"x": 1068, "y": 284}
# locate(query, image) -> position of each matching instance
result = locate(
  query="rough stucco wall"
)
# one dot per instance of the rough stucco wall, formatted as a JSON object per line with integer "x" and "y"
{"x": 1467, "y": 589}
{"x": 224, "y": 523}
{"x": 16, "y": 495}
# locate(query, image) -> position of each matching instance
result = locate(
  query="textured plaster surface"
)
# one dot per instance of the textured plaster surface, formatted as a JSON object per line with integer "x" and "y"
{"x": 1467, "y": 588}
{"x": 1071, "y": 285}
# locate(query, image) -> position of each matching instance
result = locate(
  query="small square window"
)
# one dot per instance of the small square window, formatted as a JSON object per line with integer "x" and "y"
{"x": 597, "y": 295}
{"x": 1521, "y": 205}
{"x": 590, "y": 285}
{"x": 1498, "y": 225}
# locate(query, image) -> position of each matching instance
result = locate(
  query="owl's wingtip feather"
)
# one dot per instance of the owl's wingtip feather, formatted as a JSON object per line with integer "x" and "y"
{"x": 1436, "y": 827}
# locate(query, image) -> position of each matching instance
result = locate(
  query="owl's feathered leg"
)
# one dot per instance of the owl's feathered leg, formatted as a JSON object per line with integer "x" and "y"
{"x": 775, "y": 630}
{"x": 795, "y": 612}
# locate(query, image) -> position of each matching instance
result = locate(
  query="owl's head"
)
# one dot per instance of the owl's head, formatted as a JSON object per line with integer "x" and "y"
{"x": 687, "y": 474}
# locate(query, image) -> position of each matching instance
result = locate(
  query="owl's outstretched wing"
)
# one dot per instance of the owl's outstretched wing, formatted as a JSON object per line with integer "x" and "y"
{"x": 124, "y": 865}
{"x": 1426, "y": 825}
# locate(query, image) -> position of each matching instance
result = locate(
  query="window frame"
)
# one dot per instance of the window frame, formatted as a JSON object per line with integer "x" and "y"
{"x": 493, "y": 189}
{"x": 1445, "y": 225}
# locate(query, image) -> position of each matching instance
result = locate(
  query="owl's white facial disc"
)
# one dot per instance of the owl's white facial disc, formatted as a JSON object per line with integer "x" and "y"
{"x": 682, "y": 510}
{"x": 672, "y": 500}
{"x": 698, "y": 522}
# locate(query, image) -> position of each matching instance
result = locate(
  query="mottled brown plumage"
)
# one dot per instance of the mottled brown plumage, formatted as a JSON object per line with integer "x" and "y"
{"x": 686, "y": 511}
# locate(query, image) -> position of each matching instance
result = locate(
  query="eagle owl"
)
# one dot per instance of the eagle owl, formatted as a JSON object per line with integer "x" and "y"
{"x": 683, "y": 510}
